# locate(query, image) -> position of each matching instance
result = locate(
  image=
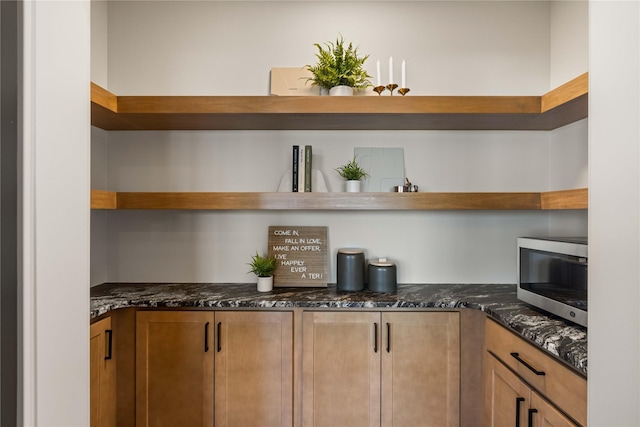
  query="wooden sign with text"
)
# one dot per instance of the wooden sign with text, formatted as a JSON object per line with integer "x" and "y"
{"x": 301, "y": 255}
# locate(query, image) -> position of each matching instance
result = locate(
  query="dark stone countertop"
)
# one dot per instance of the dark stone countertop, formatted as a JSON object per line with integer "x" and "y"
{"x": 564, "y": 340}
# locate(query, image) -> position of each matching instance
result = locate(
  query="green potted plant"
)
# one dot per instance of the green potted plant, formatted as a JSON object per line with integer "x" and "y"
{"x": 339, "y": 66}
{"x": 263, "y": 267}
{"x": 353, "y": 173}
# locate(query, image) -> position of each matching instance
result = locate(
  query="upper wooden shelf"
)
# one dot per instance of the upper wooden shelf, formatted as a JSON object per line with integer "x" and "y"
{"x": 561, "y": 106}
{"x": 553, "y": 200}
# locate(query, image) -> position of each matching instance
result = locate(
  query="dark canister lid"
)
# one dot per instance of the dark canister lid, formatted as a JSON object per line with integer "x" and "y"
{"x": 382, "y": 262}
{"x": 350, "y": 251}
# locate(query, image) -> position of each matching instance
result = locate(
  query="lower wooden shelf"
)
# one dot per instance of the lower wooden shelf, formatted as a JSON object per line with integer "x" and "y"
{"x": 553, "y": 200}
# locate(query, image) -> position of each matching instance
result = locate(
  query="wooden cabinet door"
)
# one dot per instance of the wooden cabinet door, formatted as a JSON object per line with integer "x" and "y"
{"x": 341, "y": 369}
{"x": 102, "y": 374}
{"x": 254, "y": 369}
{"x": 174, "y": 368}
{"x": 546, "y": 415}
{"x": 507, "y": 398}
{"x": 420, "y": 369}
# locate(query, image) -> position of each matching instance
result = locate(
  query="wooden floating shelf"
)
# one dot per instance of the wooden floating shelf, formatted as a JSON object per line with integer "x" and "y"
{"x": 554, "y": 200}
{"x": 561, "y": 106}
{"x": 101, "y": 199}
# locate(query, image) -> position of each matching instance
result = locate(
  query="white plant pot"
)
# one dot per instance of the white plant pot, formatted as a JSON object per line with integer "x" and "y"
{"x": 265, "y": 284}
{"x": 352, "y": 186}
{"x": 341, "y": 91}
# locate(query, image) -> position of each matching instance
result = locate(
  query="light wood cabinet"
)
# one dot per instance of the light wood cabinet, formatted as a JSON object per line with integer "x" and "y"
{"x": 254, "y": 369}
{"x": 174, "y": 368}
{"x": 506, "y": 396}
{"x": 509, "y": 401}
{"x": 184, "y": 358}
{"x": 547, "y": 415}
{"x": 421, "y": 369}
{"x": 341, "y": 369}
{"x": 102, "y": 374}
{"x": 371, "y": 369}
{"x": 522, "y": 383}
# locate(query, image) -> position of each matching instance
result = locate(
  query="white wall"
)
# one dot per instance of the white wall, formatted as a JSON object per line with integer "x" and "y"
{"x": 152, "y": 51}
{"x": 99, "y": 154}
{"x": 228, "y": 48}
{"x": 568, "y": 168}
{"x": 213, "y": 246}
{"x": 99, "y": 42}
{"x": 614, "y": 209}
{"x": 569, "y": 52}
{"x": 190, "y": 47}
{"x": 99, "y": 141}
{"x": 54, "y": 227}
{"x": 568, "y": 146}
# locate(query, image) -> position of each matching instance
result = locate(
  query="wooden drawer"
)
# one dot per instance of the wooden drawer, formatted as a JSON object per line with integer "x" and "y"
{"x": 557, "y": 382}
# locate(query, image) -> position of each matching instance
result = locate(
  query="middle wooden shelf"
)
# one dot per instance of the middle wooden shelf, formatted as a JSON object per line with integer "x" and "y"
{"x": 551, "y": 200}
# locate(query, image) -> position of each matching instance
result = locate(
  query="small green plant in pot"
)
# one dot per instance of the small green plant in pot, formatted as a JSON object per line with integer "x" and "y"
{"x": 353, "y": 173}
{"x": 339, "y": 65}
{"x": 263, "y": 267}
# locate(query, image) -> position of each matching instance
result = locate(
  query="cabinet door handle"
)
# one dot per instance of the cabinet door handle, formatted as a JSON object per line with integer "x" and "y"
{"x": 109, "y": 354}
{"x": 219, "y": 337}
{"x": 531, "y": 412}
{"x": 375, "y": 337}
{"x": 531, "y": 368}
{"x": 206, "y": 337}
{"x": 519, "y": 400}
{"x": 388, "y": 337}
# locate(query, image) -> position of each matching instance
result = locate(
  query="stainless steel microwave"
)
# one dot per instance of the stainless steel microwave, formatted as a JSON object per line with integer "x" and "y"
{"x": 552, "y": 275}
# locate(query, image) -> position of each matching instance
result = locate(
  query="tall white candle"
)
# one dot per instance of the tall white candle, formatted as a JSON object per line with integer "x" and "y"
{"x": 404, "y": 74}
{"x": 390, "y": 69}
{"x": 378, "y": 72}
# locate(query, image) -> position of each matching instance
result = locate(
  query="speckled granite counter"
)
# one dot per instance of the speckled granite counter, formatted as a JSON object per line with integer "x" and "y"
{"x": 565, "y": 341}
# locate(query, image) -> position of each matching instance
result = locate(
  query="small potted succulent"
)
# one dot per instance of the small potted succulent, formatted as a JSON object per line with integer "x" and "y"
{"x": 263, "y": 268}
{"x": 353, "y": 173}
{"x": 339, "y": 69}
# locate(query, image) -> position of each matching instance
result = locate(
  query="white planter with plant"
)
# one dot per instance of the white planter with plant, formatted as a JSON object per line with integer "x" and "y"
{"x": 339, "y": 66}
{"x": 263, "y": 267}
{"x": 265, "y": 284}
{"x": 352, "y": 186}
{"x": 341, "y": 90}
{"x": 353, "y": 173}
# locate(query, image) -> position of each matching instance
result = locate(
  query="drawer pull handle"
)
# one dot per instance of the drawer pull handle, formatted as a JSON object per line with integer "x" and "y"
{"x": 531, "y": 412}
{"x": 519, "y": 400}
{"x": 219, "y": 337}
{"x": 531, "y": 368}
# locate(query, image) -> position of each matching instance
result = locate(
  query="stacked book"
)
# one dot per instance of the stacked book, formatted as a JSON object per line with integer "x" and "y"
{"x": 301, "y": 166}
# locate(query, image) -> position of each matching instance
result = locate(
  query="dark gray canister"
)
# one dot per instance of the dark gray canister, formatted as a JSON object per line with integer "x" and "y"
{"x": 382, "y": 276}
{"x": 350, "y": 269}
